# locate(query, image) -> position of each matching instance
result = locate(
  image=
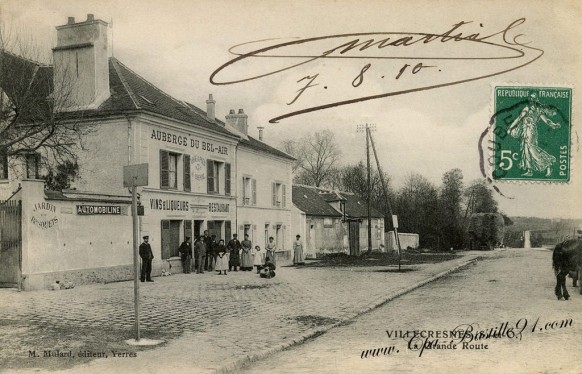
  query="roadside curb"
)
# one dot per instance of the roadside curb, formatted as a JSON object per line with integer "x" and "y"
{"x": 239, "y": 364}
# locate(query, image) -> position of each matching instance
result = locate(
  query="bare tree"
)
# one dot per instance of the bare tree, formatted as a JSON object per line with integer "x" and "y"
{"x": 32, "y": 116}
{"x": 317, "y": 154}
{"x": 291, "y": 147}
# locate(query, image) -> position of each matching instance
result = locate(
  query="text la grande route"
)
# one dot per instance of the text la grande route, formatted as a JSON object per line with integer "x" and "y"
{"x": 466, "y": 336}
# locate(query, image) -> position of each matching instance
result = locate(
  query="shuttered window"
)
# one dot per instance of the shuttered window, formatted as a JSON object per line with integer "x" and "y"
{"x": 164, "y": 179}
{"x": 210, "y": 175}
{"x": 284, "y": 196}
{"x": 254, "y": 190}
{"x": 187, "y": 180}
{"x": 3, "y": 165}
{"x": 32, "y": 165}
{"x": 244, "y": 190}
{"x": 274, "y": 193}
{"x": 227, "y": 179}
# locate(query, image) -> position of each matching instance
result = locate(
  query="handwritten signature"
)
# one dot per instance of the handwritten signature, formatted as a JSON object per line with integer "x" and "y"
{"x": 454, "y": 53}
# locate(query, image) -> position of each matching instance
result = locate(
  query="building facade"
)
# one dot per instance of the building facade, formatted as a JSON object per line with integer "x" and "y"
{"x": 203, "y": 174}
{"x": 335, "y": 222}
{"x": 264, "y": 205}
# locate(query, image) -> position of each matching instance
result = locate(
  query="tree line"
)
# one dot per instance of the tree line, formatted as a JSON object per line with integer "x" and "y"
{"x": 440, "y": 214}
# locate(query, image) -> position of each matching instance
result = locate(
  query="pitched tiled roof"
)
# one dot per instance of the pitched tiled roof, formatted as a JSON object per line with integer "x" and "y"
{"x": 357, "y": 207}
{"x": 308, "y": 200}
{"x": 254, "y": 143}
{"x": 260, "y": 146}
{"x": 129, "y": 93}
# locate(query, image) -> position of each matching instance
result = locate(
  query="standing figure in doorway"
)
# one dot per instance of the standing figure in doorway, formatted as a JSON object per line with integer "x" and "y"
{"x": 200, "y": 248}
{"x": 186, "y": 255}
{"x": 234, "y": 247}
{"x": 221, "y": 258}
{"x": 146, "y": 254}
{"x": 246, "y": 254}
{"x": 298, "y": 258}
{"x": 208, "y": 243}
{"x": 271, "y": 248}
{"x": 211, "y": 253}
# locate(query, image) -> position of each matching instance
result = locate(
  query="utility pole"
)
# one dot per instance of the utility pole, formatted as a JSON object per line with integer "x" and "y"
{"x": 385, "y": 188}
{"x": 367, "y": 128}
{"x": 369, "y": 189}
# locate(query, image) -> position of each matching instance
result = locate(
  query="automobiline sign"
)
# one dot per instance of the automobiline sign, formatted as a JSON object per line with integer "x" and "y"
{"x": 98, "y": 209}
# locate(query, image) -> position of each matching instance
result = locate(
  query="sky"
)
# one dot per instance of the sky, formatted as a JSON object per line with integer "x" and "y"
{"x": 178, "y": 45}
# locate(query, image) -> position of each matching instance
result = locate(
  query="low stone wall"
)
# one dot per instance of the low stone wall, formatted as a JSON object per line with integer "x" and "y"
{"x": 44, "y": 281}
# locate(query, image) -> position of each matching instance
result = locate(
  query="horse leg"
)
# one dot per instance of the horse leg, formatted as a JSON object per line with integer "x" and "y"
{"x": 558, "y": 289}
{"x": 563, "y": 284}
{"x": 575, "y": 279}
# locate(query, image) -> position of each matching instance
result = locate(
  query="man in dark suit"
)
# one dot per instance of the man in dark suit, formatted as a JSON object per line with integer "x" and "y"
{"x": 146, "y": 254}
{"x": 207, "y": 240}
{"x": 186, "y": 255}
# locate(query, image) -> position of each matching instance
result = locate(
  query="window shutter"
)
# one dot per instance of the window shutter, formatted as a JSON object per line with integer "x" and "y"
{"x": 244, "y": 191}
{"x": 227, "y": 179}
{"x": 274, "y": 189}
{"x": 187, "y": 180}
{"x": 284, "y": 197}
{"x": 210, "y": 175}
{"x": 164, "y": 169}
{"x": 254, "y": 190}
{"x": 3, "y": 165}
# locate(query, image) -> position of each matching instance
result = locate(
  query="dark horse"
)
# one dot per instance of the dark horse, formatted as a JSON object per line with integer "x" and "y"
{"x": 567, "y": 259}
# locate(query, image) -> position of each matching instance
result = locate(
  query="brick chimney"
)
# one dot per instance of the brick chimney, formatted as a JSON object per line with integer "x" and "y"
{"x": 81, "y": 65}
{"x": 237, "y": 122}
{"x": 210, "y": 108}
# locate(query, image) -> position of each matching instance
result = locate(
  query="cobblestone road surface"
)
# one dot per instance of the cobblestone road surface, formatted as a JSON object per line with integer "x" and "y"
{"x": 208, "y": 321}
{"x": 515, "y": 288}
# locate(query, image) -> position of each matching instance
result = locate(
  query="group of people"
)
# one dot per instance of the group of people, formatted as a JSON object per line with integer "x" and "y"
{"x": 212, "y": 255}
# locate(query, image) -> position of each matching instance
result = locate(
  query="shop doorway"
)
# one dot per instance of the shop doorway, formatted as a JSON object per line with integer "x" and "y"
{"x": 170, "y": 238}
{"x": 198, "y": 228}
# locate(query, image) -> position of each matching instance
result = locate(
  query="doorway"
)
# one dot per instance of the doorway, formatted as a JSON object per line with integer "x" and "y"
{"x": 170, "y": 238}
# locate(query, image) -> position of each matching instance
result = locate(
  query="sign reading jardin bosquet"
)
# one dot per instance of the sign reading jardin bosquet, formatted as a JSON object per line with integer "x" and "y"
{"x": 186, "y": 141}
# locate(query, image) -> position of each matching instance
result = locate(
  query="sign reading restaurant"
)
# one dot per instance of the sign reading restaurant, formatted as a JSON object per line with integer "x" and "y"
{"x": 85, "y": 210}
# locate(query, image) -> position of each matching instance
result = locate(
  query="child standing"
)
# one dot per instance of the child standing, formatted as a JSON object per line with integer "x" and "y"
{"x": 259, "y": 260}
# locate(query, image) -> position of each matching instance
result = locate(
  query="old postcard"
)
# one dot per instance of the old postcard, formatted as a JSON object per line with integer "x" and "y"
{"x": 291, "y": 187}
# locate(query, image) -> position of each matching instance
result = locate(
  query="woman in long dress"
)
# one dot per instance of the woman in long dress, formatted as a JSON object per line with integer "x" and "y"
{"x": 525, "y": 127}
{"x": 298, "y": 258}
{"x": 221, "y": 258}
{"x": 246, "y": 255}
{"x": 271, "y": 248}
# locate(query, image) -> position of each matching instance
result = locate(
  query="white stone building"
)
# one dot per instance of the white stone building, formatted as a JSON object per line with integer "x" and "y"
{"x": 204, "y": 174}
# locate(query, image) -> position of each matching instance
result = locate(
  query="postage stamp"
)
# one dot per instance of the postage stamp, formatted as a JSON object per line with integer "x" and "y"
{"x": 531, "y": 136}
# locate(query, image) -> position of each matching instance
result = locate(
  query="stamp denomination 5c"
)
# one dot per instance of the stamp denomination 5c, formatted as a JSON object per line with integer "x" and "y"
{"x": 531, "y": 137}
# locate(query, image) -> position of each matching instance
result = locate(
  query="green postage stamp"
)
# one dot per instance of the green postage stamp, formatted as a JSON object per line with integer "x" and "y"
{"x": 531, "y": 133}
